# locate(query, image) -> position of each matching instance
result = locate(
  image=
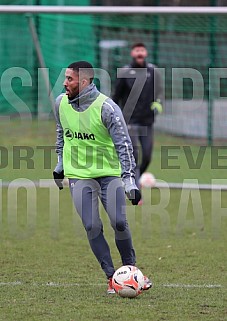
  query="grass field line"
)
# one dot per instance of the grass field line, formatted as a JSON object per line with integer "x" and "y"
{"x": 211, "y": 286}
{"x": 56, "y": 284}
{"x": 159, "y": 184}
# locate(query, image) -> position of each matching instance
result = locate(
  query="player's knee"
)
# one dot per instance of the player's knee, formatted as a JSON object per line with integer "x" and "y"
{"x": 120, "y": 225}
{"x": 93, "y": 227}
{"x": 88, "y": 227}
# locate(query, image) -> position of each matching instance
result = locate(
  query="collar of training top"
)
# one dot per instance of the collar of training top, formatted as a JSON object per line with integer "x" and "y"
{"x": 90, "y": 92}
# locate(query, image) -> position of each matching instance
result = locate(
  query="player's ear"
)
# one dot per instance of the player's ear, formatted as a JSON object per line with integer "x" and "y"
{"x": 84, "y": 82}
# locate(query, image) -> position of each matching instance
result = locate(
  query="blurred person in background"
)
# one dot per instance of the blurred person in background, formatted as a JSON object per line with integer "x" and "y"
{"x": 140, "y": 104}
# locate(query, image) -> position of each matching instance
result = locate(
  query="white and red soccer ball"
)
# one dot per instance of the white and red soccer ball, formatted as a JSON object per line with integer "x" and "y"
{"x": 147, "y": 180}
{"x": 128, "y": 281}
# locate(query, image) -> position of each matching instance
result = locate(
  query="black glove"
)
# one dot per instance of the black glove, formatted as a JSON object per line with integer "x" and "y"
{"x": 134, "y": 196}
{"x": 58, "y": 178}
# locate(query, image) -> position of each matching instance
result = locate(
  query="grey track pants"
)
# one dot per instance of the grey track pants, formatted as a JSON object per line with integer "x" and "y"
{"x": 86, "y": 194}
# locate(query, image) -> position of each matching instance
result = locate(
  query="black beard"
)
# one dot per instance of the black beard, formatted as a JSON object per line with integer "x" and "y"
{"x": 135, "y": 64}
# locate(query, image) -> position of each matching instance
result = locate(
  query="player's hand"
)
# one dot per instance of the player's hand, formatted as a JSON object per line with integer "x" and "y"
{"x": 157, "y": 107}
{"x": 134, "y": 196}
{"x": 131, "y": 190}
{"x": 58, "y": 178}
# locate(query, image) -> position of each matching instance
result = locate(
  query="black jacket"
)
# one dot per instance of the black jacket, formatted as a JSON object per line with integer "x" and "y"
{"x": 148, "y": 88}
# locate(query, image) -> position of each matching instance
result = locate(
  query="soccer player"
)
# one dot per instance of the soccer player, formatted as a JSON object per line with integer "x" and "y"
{"x": 143, "y": 105}
{"x": 95, "y": 154}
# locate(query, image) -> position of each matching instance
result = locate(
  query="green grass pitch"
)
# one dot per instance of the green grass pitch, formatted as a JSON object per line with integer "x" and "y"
{"x": 47, "y": 270}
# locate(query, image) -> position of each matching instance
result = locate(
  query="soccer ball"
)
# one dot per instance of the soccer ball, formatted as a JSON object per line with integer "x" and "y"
{"x": 128, "y": 281}
{"x": 147, "y": 180}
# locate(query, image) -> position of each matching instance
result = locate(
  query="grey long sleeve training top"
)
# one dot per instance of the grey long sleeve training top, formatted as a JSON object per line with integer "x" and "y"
{"x": 113, "y": 120}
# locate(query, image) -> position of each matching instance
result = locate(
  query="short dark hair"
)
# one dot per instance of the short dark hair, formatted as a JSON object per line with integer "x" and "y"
{"x": 138, "y": 44}
{"x": 85, "y": 67}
